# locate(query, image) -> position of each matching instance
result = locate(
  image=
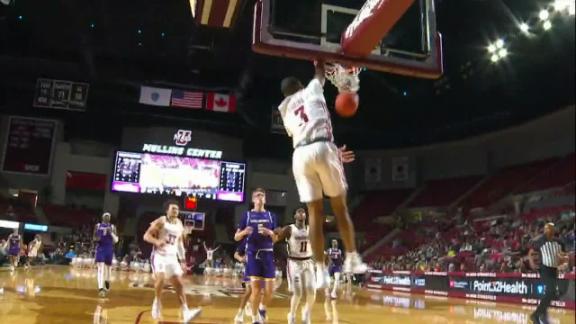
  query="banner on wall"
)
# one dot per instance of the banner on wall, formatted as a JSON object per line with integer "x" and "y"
{"x": 373, "y": 170}
{"x": 60, "y": 94}
{"x": 28, "y": 147}
{"x": 400, "y": 169}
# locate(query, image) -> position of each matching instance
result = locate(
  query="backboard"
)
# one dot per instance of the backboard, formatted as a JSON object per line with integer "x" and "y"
{"x": 307, "y": 30}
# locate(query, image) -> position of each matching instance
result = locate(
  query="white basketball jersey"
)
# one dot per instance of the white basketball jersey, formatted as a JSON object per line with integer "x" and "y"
{"x": 169, "y": 233}
{"x": 299, "y": 243}
{"x": 209, "y": 254}
{"x": 305, "y": 115}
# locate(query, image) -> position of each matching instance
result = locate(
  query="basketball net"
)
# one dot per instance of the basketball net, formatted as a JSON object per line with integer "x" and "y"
{"x": 344, "y": 78}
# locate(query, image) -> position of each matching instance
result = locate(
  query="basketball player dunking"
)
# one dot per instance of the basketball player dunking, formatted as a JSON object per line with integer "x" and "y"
{"x": 317, "y": 167}
{"x": 166, "y": 233}
{"x": 300, "y": 268}
{"x": 334, "y": 267}
{"x": 240, "y": 256}
{"x": 14, "y": 245}
{"x": 257, "y": 227}
{"x": 105, "y": 237}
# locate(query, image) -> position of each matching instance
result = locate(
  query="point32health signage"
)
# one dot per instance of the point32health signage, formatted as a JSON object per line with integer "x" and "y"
{"x": 181, "y": 139}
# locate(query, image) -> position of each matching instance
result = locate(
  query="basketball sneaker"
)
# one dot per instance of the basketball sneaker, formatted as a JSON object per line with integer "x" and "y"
{"x": 333, "y": 295}
{"x": 107, "y": 285}
{"x": 262, "y": 312}
{"x": 291, "y": 318}
{"x": 306, "y": 316}
{"x": 353, "y": 264}
{"x": 190, "y": 314}
{"x": 156, "y": 310}
{"x": 239, "y": 319}
{"x": 102, "y": 293}
{"x": 248, "y": 309}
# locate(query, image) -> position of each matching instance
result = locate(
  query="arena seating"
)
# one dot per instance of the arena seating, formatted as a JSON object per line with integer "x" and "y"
{"x": 378, "y": 203}
{"x": 557, "y": 175}
{"x": 69, "y": 216}
{"x": 443, "y": 192}
{"x": 504, "y": 182}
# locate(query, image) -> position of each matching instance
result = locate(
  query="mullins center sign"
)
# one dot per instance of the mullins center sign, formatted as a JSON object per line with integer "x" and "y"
{"x": 181, "y": 138}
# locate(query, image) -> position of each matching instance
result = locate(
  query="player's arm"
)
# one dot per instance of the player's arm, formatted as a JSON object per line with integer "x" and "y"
{"x": 319, "y": 71}
{"x": 243, "y": 230}
{"x": 239, "y": 258}
{"x": 114, "y": 234}
{"x": 205, "y": 248}
{"x": 531, "y": 260}
{"x": 347, "y": 156}
{"x": 284, "y": 232}
{"x": 94, "y": 236}
{"x": 152, "y": 233}
{"x": 181, "y": 250}
{"x": 216, "y": 248}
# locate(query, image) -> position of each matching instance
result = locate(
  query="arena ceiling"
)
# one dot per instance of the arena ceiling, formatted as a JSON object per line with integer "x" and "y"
{"x": 118, "y": 45}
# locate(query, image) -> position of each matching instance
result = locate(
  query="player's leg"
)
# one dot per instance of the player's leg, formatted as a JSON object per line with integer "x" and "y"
{"x": 158, "y": 269}
{"x": 100, "y": 278}
{"x": 336, "y": 283}
{"x": 308, "y": 282}
{"x": 297, "y": 290}
{"x": 269, "y": 275}
{"x": 108, "y": 269}
{"x": 176, "y": 279}
{"x": 243, "y": 301}
{"x": 316, "y": 229}
{"x": 256, "y": 297}
{"x": 331, "y": 173}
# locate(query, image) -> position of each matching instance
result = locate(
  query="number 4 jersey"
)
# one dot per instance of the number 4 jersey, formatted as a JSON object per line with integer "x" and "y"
{"x": 305, "y": 115}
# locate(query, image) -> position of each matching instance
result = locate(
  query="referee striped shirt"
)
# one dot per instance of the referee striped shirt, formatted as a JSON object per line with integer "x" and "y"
{"x": 548, "y": 250}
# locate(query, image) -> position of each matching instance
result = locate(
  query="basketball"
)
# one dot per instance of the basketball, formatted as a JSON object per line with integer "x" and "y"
{"x": 347, "y": 104}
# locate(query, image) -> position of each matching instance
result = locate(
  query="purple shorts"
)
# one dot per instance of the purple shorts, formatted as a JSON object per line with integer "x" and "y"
{"x": 333, "y": 269}
{"x": 104, "y": 255}
{"x": 260, "y": 265}
{"x": 14, "y": 251}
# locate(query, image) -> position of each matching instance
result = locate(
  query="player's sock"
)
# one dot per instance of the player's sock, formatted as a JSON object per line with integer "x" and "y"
{"x": 100, "y": 275}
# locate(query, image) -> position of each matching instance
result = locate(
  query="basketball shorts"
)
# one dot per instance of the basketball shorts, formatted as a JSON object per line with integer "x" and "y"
{"x": 300, "y": 272}
{"x": 14, "y": 251}
{"x": 260, "y": 265}
{"x": 33, "y": 254}
{"x": 166, "y": 264}
{"x": 332, "y": 269}
{"x": 318, "y": 169}
{"x": 104, "y": 255}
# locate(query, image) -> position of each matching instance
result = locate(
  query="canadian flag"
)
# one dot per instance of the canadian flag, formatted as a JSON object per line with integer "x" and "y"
{"x": 220, "y": 102}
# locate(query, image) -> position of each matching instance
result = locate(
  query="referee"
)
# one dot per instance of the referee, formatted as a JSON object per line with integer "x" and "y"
{"x": 550, "y": 250}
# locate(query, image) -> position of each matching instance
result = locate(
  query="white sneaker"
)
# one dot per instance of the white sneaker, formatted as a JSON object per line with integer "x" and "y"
{"x": 190, "y": 314}
{"x": 156, "y": 310}
{"x": 248, "y": 309}
{"x": 291, "y": 318}
{"x": 239, "y": 319}
{"x": 321, "y": 278}
{"x": 333, "y": 295}
{"x": 306, "y": 316}
{"x": 354, "y": 264}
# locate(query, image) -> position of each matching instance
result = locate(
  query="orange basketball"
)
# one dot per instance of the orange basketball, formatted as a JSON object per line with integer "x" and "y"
{"x": 347, "y": 104}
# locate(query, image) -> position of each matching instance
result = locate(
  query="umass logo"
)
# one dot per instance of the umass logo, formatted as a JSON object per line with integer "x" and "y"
{"x": 182, "y": 137}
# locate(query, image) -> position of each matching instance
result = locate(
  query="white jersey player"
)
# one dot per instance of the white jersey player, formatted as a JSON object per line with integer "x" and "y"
{"x": 317, "y": 167}
{"x": 300, "y": 269}
{"x": 167, "y": 235}
{"x": 33, "y": 250}
{"x": 210, "y": 255}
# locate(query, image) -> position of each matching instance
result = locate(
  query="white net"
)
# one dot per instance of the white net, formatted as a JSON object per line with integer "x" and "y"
{"x": 343, "y": 78}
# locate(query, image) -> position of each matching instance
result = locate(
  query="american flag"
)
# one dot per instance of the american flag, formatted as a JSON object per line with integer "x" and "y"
{"x": 187, "y": 99}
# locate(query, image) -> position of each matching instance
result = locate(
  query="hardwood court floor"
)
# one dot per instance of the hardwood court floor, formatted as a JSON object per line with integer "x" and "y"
{"x": 61, "y": 294}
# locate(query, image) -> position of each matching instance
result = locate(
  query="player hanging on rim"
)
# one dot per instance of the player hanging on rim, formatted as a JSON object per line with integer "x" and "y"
{"x": 245, "y": 308}
{"x": 14, "y": 244}
{"x": 317, "y": 166}
{"x": 168, "y": 257}
{"x": 334, "y": 267}
{"x": 257, "y": 227}
{"x": 300, "y": 270}
{"x": 105, "y": 237}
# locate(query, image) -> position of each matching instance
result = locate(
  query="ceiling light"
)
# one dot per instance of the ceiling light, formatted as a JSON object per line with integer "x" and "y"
{"x": 547, "y": 25}
{"x": 499, "y": 43}
{"x": 502, "y": 53}
{"x": 491, "y": 48}
{"x": 524, "y": 28}
{"x": 494, "y": 58}
{"x": 544, "y": 14}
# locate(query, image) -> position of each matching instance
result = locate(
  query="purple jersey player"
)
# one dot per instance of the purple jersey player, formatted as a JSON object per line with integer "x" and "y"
{"x": 335, "y": 266}
{"x": 105, "y": 237}
{"x": 14, "y": 244}
{"x": 257, "y": 227}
